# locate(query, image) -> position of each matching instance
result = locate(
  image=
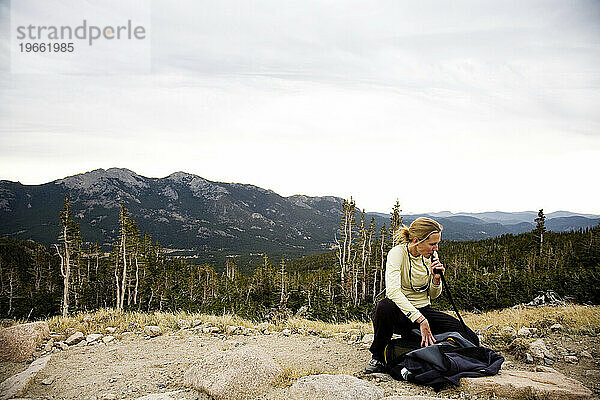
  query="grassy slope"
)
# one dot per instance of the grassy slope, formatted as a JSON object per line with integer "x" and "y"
{"x": 575, "y": 319}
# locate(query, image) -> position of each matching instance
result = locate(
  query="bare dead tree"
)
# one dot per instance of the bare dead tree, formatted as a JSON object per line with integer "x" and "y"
{"x": 68, "y": 237}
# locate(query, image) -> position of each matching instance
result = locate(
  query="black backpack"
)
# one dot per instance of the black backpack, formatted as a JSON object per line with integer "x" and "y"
{"x": 452, "y": 357}
{"x": 397, "y": 348}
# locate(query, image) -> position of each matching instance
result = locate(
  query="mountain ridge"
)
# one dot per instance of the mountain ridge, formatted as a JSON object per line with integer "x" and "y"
{"x": 187, "y": 211}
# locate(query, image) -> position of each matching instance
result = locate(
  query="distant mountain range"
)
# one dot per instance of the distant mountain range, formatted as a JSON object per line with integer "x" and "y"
{"x": 197, "y": 216}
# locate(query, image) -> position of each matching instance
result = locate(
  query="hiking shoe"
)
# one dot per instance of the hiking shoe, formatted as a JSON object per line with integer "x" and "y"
{"x": 375, "y": 366}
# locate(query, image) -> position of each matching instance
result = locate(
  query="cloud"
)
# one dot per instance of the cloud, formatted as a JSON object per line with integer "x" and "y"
{"x": 379, "y": 100}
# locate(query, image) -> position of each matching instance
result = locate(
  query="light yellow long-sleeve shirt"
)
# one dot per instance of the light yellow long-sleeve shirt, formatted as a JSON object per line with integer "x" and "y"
{"x": 398, "y": 283}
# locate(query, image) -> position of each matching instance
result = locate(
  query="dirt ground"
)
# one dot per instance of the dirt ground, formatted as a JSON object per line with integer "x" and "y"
{"x": 134, "y": 366}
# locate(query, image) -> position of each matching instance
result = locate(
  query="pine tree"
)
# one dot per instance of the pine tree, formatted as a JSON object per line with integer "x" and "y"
{"x": 540, "y": 228}
{"x": 395, "y": 221}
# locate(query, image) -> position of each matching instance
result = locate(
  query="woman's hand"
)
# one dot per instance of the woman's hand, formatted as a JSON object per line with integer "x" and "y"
{"x": 426, "y": 335}
{"x": 437, "y": 266}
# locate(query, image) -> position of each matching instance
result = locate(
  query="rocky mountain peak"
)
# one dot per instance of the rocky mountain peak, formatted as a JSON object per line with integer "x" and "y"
{"x": 199, "y": 186}
{"x": 325, "y": 204}
{"x": 182, "y": 177}
{"x": 96, "y": 179}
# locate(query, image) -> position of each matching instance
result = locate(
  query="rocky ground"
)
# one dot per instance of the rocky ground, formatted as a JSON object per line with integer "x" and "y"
{"x": 134, "y": 365}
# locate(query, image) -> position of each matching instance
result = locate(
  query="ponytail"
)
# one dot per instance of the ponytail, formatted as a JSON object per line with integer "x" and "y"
{"x": 402, "y": 235}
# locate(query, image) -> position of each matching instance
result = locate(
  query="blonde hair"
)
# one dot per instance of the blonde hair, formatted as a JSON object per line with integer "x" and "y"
{"x": 421, "y": 228}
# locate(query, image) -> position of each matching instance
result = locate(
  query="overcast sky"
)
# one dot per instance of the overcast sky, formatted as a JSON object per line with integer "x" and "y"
{"x": 460, "y": 106}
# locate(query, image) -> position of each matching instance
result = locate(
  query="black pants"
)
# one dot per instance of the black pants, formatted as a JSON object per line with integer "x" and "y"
{"x": 388, "y": 319}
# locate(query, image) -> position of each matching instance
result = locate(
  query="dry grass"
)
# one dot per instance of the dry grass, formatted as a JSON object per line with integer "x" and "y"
{"x": 574, "y": 318}
{"x": 292, "y": 374}
{"x": 325, "y": 329}
{"x": 134, "y": 321}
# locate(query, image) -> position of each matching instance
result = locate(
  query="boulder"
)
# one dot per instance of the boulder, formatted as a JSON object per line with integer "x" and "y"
{"x": 529, "y": 359}
{"x": 93, "y": 338}
{"x": 286, "y": 332}
{"x": 75, "y": 338}
{"x": 538, "y": 350}
{"x": 526, "y": 332}
{"x": 242, "y": 373}
{"x": 18, "y": 342}
{"x": 61, "y": 345}
{"x": 556, "y": 328}
{"x": 232, "y": 330}
{"x": 17, "y": 384}
{"x": 334, "y": 387}
{"x": 110, "y": 330}
{"x": 152, "y": 331}
{"x": 515, "y": 384}
{"x": 211, "y": 329}
{"x": 368, "y": 338}
{"x": 108, "y": 338}
{"x": 549, "y": 298}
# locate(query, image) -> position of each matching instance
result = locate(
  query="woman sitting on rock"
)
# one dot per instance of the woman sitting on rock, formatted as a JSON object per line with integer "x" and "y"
{"x": 410, "y": 284}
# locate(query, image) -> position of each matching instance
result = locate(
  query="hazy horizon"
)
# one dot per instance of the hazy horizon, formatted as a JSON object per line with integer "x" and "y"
{"x": 306, "y": 194}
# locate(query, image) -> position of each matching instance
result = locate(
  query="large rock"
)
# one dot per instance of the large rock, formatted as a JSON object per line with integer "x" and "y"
{"x": 93, "y": 338}
{"x": 152, "y": 331}
{"x": 17, "y": 343}
{"x": 16, "y": 385}
{"x": 514, "y": 384}
{"x": 242, "y": 373}
{"x": 526, "y": 332}
{"x": 334, "y": 387}
{"x": 368, "y": 338}
{"x": 108, "y": 339}
{"x": 538, "y": 350}
{"x": 75, "y": 338}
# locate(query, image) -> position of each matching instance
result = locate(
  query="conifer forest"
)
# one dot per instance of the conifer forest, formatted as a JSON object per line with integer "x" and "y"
{"x": 137, "y": 274}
